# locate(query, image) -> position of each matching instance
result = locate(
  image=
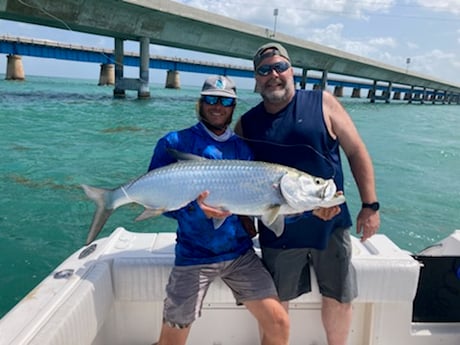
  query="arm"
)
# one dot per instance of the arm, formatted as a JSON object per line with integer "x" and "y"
{"x": 341, "y": 126}
{"x": 239, "y": 128}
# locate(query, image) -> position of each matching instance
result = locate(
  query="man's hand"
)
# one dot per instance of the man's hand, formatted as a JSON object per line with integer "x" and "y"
{"x": 326, "y": 213}
{"x": 209, "y": 211}
{"x": 367, "y": 223}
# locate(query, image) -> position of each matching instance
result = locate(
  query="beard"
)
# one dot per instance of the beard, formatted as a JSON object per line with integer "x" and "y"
{"x": 277, "y": 96}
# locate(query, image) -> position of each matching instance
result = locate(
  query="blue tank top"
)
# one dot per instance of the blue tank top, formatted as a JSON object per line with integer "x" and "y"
{"x": 297, "y": 136}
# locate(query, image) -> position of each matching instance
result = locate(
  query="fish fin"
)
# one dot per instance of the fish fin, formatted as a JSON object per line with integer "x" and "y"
{"x": 270, "y": 216}
{"x": 277, "y": 226}
{"x": 183, "y": 156}
{"x": 149, "y": 213}
{"x": 102, "y": 213}
{"x": 217, "y": 222}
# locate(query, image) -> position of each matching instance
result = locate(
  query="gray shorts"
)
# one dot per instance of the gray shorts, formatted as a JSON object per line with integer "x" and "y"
{"x": 290, "y": 269}
{"x": 246, "y": 276}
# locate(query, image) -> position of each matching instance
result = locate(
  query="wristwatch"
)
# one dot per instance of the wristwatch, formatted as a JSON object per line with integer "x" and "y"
{"x": 373, "y": 206}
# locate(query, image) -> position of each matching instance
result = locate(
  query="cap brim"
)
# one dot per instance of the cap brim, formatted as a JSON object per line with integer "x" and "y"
{"x": 218, "y": 93}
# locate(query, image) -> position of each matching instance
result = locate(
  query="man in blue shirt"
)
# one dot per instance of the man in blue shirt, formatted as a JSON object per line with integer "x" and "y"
{"x": 305, "y": 130}
{"x": 204, "y": 253}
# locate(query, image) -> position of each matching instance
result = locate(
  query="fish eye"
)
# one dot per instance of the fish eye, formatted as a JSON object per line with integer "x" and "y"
{"x": 317, "y": 181}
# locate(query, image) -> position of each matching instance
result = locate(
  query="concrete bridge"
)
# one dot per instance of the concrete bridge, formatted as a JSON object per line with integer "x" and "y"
{"x": 168, "y": 23}
{"x": 16, "y": 47}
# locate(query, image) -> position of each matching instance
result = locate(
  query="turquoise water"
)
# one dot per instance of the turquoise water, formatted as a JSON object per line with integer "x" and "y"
{"x": 58, "y": 133}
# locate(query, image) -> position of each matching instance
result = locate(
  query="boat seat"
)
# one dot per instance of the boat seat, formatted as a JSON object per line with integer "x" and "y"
{"x": 151, "y": 275}
{"x": 384, "y": 272}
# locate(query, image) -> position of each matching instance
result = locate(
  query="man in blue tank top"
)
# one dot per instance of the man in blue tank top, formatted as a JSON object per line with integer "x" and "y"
{"x": 305, "y": 130}
{"x": 203, "y": 253}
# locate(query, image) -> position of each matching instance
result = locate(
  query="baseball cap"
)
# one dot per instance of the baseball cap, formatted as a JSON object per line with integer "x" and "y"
{"x": 275, "y": 49}
{"x": 219, "y": 86}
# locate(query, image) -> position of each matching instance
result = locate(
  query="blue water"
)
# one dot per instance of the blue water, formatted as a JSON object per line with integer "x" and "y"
{"x": 59, "y": 133}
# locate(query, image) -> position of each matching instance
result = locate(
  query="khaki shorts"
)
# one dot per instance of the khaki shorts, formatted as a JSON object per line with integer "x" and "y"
{"x": 290, "y": 269}
{"x": 246, "y": 276}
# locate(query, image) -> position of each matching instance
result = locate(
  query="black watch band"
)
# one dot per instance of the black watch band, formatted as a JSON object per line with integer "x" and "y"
{"x": 373, "y": 206}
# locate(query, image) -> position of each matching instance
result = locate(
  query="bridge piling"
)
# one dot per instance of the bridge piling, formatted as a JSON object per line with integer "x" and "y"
{"x": 303, "y": 81}
{"x": 172, "y": 80}
{"x": 107, "y": 74}
{"x": 118, "y": 91}
{"x": 144, "y": 91}
{"x": 338, "y": 91}
{"x": 324, "y": 80}
{"x": 373, "y": 92}
{"x": 14, "y": 68}
{"x": 142, "y": 83}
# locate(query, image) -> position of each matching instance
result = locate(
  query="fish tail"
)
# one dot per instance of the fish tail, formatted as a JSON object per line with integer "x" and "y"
{"x": 102, "y": 213}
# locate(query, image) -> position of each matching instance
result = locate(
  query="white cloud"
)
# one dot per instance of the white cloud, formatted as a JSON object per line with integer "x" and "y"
{"x": 383, "y": 42}
{"x": 291, "y": 13}
{"x": 449, "y": 6}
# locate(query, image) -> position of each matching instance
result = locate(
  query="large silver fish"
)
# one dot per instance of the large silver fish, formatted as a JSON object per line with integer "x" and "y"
{"x": 263, "y": 190}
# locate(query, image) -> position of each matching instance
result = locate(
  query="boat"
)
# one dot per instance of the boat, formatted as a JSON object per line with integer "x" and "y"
{"x": 112, "y": 291}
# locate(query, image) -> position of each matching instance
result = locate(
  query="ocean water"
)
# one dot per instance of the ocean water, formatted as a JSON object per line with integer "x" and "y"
{"x": 59, "y": 133}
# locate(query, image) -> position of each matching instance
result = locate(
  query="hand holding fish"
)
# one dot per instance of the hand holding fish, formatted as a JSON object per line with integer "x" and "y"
{"x": 209, "y": 211}
{"x": 327, "y": 213}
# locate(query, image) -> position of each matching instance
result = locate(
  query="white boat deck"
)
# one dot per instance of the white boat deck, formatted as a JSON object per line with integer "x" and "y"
{"x": 115, "y": 296}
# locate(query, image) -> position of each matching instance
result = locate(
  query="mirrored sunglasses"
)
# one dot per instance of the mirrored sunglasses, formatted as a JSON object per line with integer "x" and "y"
{"x": 278, "y": 67}
{"x": 225, "y": 101}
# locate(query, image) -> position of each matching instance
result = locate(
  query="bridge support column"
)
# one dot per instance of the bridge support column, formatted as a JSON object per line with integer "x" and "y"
{"x": 338, "y": 91}
{"x": 14, "y": 68}
{"x": 388, "y": 92}
{"x": 424, "y": 96}
{"x": 119, "y": 91}
{"x": 444, "y": 99}
{"x": 324, "y": 80}
{"x": 433, "y": 96}
{"x": 303, "y": 82}
{"x": 356, "y": 93}
{"x": 143, "y": 92}
{"x": 411, "y": 94}
{"x": 172, "y": 80}
{"x": 107, "y": 74}
{"x": 373, "y": 94}
{"x": 141, "y": 84}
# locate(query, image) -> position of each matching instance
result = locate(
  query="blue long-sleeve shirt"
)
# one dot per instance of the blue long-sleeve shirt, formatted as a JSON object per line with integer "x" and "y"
{"x": 197, "y": 241}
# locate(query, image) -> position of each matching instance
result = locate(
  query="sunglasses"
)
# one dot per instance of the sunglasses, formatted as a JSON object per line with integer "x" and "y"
{"x": 225, "y": 101}
{"x": 278, "y": 67}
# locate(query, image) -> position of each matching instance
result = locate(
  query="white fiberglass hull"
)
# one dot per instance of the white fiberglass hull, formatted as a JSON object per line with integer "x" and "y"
{"x": 114, "y": 295}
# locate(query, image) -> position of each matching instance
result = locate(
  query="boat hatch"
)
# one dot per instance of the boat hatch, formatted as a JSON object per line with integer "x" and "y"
{"x": 438, "y": 291}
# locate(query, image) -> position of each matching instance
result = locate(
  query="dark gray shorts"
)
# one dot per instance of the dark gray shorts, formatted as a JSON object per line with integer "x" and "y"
{"x": 290, "y": 269}
{"x": 187, "y": 286}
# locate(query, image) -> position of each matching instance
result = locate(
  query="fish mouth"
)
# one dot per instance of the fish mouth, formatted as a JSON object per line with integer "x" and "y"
{"x": 328, "y": 191}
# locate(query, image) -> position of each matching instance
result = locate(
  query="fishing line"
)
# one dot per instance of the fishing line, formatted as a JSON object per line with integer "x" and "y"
{"x": 41, "y": 9}
{"x": 322, "y": 156}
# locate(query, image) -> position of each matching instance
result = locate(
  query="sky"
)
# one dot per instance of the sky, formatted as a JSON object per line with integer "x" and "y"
{"x": 426, "y": 32}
